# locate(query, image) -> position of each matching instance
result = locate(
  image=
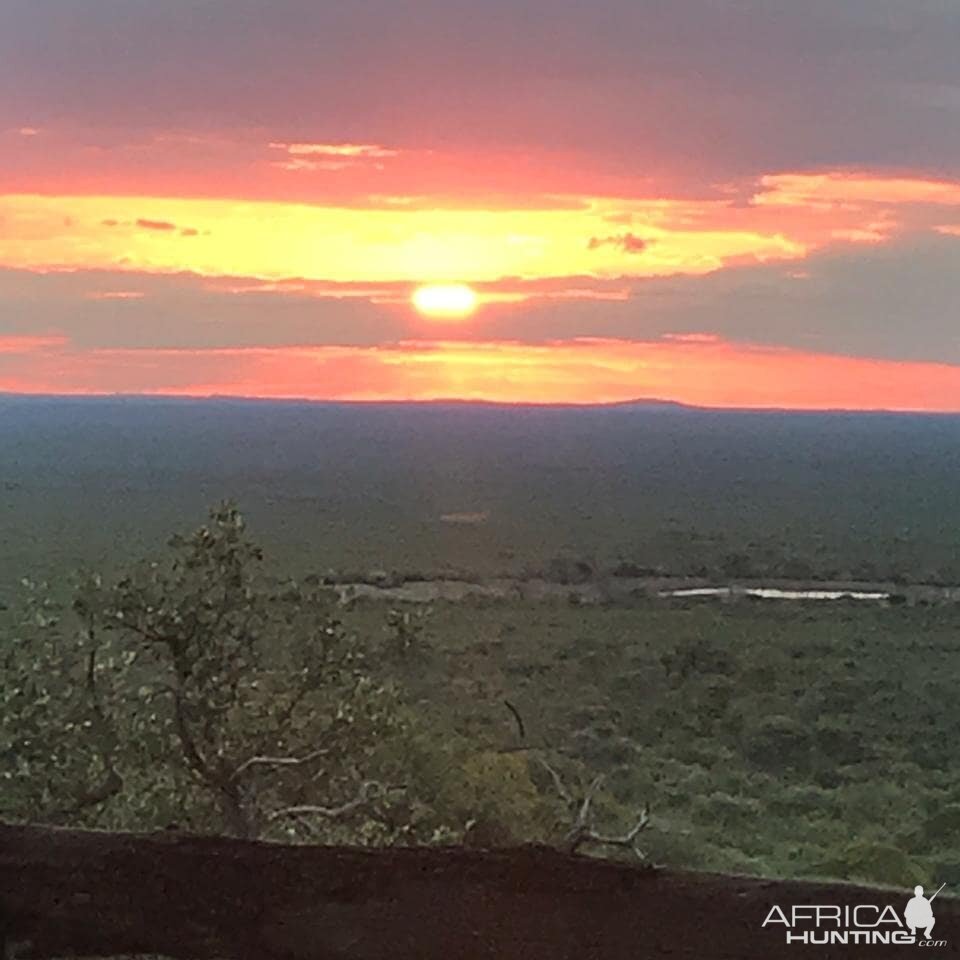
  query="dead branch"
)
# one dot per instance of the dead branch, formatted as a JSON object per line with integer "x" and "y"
{"x": 516, "y": 716}
{"x": 276, "y": 762}
{"x": 583, "y": 814}
{"x": 627, "y": 841}
{"x": 369, "y": 790}
{"x": 558, "y": 783}
{"x": 582, "y": 832}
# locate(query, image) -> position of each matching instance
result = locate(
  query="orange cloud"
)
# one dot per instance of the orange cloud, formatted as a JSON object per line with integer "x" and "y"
{"x": 162, "y": 225}
{"x": 141, "y": 223}
{"x": 844, "y": 189}
{"x": 700, "y": 370}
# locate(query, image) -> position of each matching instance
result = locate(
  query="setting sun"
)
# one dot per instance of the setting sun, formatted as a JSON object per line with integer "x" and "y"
{"x": 445, "y": 300}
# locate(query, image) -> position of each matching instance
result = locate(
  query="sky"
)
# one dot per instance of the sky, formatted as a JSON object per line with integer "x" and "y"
{"x": 751, "y": 203}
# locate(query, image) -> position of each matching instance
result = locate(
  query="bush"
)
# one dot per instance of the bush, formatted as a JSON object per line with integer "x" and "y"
{"x": 778, "y": 744}
{"x": 838, "y": 741}
{"x": 723, "y": 810}
{"x": 943, "y": 828}
{"x": 874, "y": 863}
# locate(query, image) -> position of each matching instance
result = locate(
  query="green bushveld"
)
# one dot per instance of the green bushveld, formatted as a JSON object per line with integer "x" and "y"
{"x": 781, "y": 739}
{"x": 773, "y": 738}
{"x": 195, "y": 690}
{"x": 561, "y": 492}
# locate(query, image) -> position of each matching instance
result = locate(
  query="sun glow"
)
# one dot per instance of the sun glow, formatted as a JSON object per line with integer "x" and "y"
{"x": 445, "y": 301}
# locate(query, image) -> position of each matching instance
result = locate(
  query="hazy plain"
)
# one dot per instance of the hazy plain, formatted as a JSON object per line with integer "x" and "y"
{"x": 483, "y": 490}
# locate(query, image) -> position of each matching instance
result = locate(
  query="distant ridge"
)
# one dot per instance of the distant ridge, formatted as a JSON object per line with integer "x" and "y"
{"x": 638, "y": 403}
{"x": 646, "y": 402}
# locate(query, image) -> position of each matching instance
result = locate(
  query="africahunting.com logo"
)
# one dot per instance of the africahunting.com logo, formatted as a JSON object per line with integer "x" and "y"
{"x": 859, "y": 924}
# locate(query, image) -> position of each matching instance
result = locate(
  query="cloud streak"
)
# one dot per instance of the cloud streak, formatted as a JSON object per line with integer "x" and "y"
{"x": 625, "y": 184}
{"x": 703, "y": 370}
{"x": 276, "y": 241}
{"x": 698, "y": 88}
{"x": 628, "y": 242}
{"x": 894, "y": 301}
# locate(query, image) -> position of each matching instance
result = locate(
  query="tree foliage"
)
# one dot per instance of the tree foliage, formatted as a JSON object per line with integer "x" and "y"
{"x": 197, "y": 690}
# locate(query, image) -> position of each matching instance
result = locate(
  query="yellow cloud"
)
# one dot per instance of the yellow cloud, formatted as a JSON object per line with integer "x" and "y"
{"x": 277, "y": 240}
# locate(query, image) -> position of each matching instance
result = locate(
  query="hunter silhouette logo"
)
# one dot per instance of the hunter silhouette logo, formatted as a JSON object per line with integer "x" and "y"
{"x": 862, "y": 923}
{"x": 919, "y": 913}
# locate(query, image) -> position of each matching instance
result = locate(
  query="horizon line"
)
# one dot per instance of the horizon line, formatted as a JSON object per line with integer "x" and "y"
{"x": 646, "y": 402}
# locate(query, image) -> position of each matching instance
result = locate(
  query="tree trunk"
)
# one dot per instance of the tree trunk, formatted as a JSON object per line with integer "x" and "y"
{"x": 89, "y": 893}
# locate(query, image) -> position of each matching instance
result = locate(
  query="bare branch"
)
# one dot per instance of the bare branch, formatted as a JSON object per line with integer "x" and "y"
{"x": 628, "y": 840}
{"x": 369, "y": 790}
{"x": 582, "y": 831}
{"x": 276, "y": 762}
{"x": 558, "y": 783}
{"x": 584, "y": 812}
{"x": 517, "y": 717}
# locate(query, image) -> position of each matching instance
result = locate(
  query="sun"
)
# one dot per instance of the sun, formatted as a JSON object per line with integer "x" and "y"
{"x": 450, "y": 301}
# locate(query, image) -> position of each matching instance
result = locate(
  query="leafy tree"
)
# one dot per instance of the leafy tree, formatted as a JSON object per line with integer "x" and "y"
{"x": 197, "y": 690}
{"x": 58, "y": 742}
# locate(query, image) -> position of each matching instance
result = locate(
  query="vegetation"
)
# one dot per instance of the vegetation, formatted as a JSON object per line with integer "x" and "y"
{"x": 198, "y": 690}
{"x": 803, "y": 740}
{"x": 215, "y": 690}
{"x": 564, "y": 492}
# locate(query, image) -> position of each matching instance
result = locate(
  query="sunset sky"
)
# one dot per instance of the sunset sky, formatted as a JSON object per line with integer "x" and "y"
{"x": 721, "y": 202}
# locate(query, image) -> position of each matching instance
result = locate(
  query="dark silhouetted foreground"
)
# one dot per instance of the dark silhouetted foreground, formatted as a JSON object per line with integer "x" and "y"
{"x": 87, "y": 893}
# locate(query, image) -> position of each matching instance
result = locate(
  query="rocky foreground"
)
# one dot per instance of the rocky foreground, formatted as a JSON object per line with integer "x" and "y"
{"x": 89, "y": 893}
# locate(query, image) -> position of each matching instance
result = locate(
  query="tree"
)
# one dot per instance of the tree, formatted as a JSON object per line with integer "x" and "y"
{"x": 196, "y": 689}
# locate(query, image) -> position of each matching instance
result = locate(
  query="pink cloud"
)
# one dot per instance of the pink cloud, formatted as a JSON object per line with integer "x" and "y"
{"x": 331, "y": 156}
{"x": 30, "y": 344}
{"x": 704, "y": 370}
